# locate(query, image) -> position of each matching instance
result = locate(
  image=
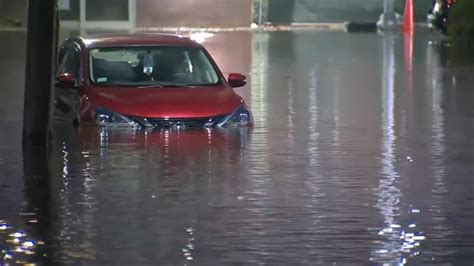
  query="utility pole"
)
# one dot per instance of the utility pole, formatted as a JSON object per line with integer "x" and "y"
{"x": 39, "y": 76}
{"x": 388, "y": 20}
{"x": 260, "y": 12}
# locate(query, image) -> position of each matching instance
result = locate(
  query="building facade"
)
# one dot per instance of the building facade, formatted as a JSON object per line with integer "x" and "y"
{"x": 120, "y": 14}
{"x": 288, "y": 11}
{"x": 202, "y": 13}
{"x": 14, "y": 8}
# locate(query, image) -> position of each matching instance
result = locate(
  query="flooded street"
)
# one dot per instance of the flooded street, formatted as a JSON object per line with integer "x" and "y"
{"x": 362, "y": 151}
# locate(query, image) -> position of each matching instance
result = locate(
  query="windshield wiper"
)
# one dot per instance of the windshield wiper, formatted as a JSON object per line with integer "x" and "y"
{"x": 176, "y": 85}
{"x": 151, "y": 86}
{"x": 165, "y": 86}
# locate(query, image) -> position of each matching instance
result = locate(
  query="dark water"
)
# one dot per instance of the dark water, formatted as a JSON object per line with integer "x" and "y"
{"x": 358, "y": 155}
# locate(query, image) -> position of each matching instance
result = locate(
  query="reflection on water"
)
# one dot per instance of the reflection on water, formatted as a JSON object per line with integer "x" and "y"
{"x": 175, "y": 160}
{"x": 388, "y": 193}
{"x": 353, "y": 159}
{"x": 400, "y": 242}
{"x": 17, "y": 247}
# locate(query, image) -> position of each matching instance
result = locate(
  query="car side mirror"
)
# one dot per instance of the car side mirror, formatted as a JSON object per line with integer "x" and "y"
{"x": 66, "y": 81}
{"x": 236, "y": 80}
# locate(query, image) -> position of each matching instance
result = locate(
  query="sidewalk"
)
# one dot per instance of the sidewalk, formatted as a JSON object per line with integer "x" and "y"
{"x": 342, "y": 26}
{"x": 254, "y": 27}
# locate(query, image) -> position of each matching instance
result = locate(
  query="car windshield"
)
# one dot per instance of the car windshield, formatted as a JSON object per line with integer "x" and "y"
{"x": 151, "y": 66}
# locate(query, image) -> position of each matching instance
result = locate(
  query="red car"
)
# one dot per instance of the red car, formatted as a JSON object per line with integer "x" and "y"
{"x": 145, "y": 81}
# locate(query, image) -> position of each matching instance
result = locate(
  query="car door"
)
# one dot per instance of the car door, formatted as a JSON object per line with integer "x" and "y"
{"x": 67, "y": 98}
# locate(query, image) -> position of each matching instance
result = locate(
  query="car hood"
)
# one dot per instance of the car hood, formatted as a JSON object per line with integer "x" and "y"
{"x": 189, "y": 102}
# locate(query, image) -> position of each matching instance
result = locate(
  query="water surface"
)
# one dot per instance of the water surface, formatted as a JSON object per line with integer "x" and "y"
{"x": 361, "y": 152}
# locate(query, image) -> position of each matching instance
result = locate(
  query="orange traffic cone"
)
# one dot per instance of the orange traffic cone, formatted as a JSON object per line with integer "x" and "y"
{"x": 408, "y": 21}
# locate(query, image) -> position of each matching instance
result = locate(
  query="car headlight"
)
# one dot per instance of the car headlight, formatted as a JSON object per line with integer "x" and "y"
{"x": 240, "y": 117}
{"x": 106, "y": 118}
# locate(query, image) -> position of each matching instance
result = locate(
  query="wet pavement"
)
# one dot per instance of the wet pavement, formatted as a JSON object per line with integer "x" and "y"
{"x": 362, "y": 151}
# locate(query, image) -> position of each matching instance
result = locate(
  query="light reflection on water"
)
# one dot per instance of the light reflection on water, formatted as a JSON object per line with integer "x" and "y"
{"x": 388, "y": 193}
{"x": 347, "y": 163}
{"x": 16, "y": 247}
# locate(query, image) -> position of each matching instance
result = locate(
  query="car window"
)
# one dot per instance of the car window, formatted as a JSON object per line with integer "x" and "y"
{"x": 161, "y": 65}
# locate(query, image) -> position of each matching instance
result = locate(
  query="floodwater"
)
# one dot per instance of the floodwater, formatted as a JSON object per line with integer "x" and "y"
{"x": 362, "y": 152}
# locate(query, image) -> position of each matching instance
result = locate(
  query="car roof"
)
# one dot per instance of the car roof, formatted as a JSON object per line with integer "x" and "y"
{"x": 134, "y": 39}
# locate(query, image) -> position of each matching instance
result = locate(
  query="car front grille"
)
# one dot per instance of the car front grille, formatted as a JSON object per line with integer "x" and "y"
{"x": 179, "y": 122}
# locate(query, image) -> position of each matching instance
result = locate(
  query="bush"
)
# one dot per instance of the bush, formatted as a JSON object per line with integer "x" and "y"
{"x": 461, "y": 24}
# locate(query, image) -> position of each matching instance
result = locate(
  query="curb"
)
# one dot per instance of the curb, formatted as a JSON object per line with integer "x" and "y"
{"x": 253, "y": 28}
{"x": 344, "y": 26}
